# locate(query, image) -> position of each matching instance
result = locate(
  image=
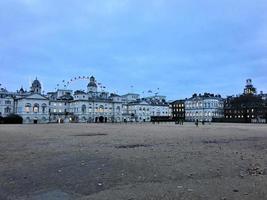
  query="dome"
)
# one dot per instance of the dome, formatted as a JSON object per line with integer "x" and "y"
{"x": 92, "y": 82}
{"x": 36, "y": 83}
{"x": 21, "y": 90}
{"x": 36, "y": 86}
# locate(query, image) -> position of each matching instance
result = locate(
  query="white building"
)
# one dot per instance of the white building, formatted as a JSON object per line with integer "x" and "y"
{"x": 32, "y": 106}
{"x": 142, "y": 110}
{"x": 81, "y": 106}
{"x": 89, "y": 106}
{"x": 6, "y": 103}
{"x": 204, "y": 107}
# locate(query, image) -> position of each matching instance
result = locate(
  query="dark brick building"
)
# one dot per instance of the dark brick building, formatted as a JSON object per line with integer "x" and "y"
{"x": 248, "y": 107}
{"x": 178, "y": 110}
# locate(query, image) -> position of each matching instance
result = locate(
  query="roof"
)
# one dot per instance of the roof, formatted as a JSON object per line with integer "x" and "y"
{"x": 79, "y": 92}
{"x": 178, "y": 101}
{"x": 37, "y": 96}
{"x": 114, "y": 95}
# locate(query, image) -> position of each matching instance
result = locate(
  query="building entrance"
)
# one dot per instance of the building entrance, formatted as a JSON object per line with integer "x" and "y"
{"x": 101, "y": 119}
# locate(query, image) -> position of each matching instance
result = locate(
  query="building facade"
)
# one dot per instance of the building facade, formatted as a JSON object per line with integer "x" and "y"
{"x": 32, "y": 106}
{"x": 178, "y": 110}
{"x": 144, "y": 109}
{"x": 6, "y": 102}
{"x": 63, "y": 105}
{"x": 246, "y": 108}
{"x": 204, "y": 107}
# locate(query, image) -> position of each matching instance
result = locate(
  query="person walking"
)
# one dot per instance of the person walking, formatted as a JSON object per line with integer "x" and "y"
{"x": 196, "y": 123}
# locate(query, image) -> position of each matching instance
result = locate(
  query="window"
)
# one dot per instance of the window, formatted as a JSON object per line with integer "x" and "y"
{"x": 27, "y": 107}
{"x": 83, "y": 108}
{"x": 101, "y": 108}
{"x": 118, "y": 109}
{"x": 8, "y": 102}
{"x": 36, "y": 108}
{"x": 7, "y": 110}
{"x": 43, "y": 107}
{"x": 19, "y": 109}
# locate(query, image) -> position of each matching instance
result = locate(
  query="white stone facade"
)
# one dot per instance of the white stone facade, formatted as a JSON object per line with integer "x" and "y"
{"x": 33, "y": 108}
{"x": 204, "y": 108}
{"x": 6, "y": 103}
{"x": 143, "y": 110}
{"x": 64, "y": 106}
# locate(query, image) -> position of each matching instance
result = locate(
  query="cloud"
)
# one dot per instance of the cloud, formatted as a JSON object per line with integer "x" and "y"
{"x": 180, "y": 46}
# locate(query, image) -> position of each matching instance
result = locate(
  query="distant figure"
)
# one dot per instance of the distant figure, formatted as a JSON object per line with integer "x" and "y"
{"x": 203, "y": 122}
{"x": 196, "y": 123}
{"x": 182, "y": 121}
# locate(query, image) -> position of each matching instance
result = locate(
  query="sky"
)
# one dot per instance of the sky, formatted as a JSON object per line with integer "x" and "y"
{"x": 179, "y": 46}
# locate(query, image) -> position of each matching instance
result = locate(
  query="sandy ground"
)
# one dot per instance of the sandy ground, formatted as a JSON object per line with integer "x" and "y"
{"x": 133, "y": 161}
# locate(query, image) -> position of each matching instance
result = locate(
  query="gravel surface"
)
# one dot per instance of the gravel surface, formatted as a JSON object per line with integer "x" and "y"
{"x": 133, "y": 161}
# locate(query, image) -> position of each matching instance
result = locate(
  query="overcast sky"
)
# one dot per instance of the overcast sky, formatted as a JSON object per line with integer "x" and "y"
{"x": 179, "y": 46}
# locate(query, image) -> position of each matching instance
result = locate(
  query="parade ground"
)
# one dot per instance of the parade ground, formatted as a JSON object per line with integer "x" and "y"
{"x": 133, "y": 161}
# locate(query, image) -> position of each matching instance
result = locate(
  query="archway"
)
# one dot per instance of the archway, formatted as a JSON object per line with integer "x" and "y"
{"x": 101, "y": 119}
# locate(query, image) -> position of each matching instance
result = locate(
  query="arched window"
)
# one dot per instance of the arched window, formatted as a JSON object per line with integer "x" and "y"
{"x": 101, "y": 108}
{"x": 44, "y": 107}
{"x": 83, "y": 108}
{"x": 35, "y": 108}
{"x": 28, "y": 107}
